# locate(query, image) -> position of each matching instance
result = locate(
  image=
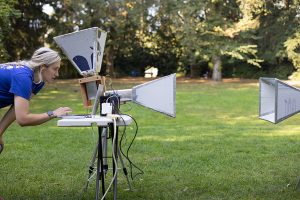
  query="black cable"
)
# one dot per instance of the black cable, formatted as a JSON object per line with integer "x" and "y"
{"x": 129, "y": 109}
{"x": 131, "y": 164}
{"x": 117, "y": 110}
{"x": 127, "y": 153}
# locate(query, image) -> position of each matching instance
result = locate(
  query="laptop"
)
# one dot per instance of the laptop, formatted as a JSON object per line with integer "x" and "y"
{"x": 100, "y": 92}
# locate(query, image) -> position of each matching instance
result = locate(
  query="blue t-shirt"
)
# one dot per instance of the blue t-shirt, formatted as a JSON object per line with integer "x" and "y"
{"x": 16, "y": 80}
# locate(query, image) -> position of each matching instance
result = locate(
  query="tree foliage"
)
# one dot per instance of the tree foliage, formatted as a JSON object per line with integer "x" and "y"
{"x": 7, "y": 13}
{"x": 28, "y": 30}
{"x": 169, "y": 35}
{"x": 292, "y": 46}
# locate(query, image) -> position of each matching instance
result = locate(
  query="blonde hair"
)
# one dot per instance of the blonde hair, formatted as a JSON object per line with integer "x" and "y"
{"x": 42, "y": 56}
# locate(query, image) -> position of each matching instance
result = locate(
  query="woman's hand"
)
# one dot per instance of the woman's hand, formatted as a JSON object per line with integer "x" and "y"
{"x": 25, "y": 118}
{"x": 62, "y": 111}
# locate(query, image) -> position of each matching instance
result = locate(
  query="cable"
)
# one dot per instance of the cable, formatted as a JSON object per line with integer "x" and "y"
{"x": 111, "y": 87}
{"x": 130, "y": 107}
{"x": 93, "y": 132}
{"x": 115, "y": 103}
{"x": 114, "y": 156}
{"x": 126, "y": 110}
{"x": 116, "y": 96}
{"x": 116, "y": 109}
{"x": 91, "y": 166}
{"x": 131, "y": 164}
{"x": 92, "y": 171}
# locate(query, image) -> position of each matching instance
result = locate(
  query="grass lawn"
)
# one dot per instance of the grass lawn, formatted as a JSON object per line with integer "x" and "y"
{"x": 216, "y": 148}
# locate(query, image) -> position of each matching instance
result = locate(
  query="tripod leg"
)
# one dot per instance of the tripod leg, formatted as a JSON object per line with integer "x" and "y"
{"x": 124, "y": 169}
{"x": 91, "y": 167}
{"x": 92, "y": 163}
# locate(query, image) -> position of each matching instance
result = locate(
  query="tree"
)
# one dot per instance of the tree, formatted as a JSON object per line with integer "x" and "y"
{"x": 159, "y": 37}
{"x": 7, "y": 13}
{"x": 278, "y": 33}
{"x": 27, "y": 31}
{"x": 211, "y": 29}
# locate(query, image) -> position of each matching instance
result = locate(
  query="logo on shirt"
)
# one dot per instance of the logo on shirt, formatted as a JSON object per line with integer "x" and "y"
{"x": 9, "y": 67}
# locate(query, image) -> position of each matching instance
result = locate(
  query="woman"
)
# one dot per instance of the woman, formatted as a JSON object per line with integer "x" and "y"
{"x": 19, "y": 81}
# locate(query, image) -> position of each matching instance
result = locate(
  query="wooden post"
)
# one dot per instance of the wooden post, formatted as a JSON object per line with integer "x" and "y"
{"x": 83, "y": 82}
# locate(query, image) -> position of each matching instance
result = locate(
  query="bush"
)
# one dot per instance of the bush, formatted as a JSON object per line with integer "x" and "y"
{"x": 244, "y": 70}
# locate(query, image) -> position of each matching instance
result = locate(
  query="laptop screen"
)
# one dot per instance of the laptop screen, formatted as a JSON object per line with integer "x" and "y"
{"x": 100, "y": 92}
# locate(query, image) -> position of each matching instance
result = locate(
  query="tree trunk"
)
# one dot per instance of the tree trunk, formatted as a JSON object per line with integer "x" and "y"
{"x": 217, "y": 71}
{"x": 195, "y": 71}
{"x": 110, "y": 62}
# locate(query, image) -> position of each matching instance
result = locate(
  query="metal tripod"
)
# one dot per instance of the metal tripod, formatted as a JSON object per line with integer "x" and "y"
{"x": 100, "y": 153}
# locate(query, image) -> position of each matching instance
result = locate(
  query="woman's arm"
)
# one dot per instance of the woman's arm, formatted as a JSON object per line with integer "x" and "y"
{"x": 7, "y": 119}
{"x": 25, "y": 118}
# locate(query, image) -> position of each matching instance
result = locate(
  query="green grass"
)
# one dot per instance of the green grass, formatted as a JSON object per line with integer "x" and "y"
{"x": 216, "y": 148}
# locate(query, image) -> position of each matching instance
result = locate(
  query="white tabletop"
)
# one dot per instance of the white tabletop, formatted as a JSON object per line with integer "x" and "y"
{"x": 94, "y": 120}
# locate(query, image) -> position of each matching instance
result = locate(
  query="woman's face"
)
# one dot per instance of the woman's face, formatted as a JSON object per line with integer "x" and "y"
{"x": 51, "y": 72}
